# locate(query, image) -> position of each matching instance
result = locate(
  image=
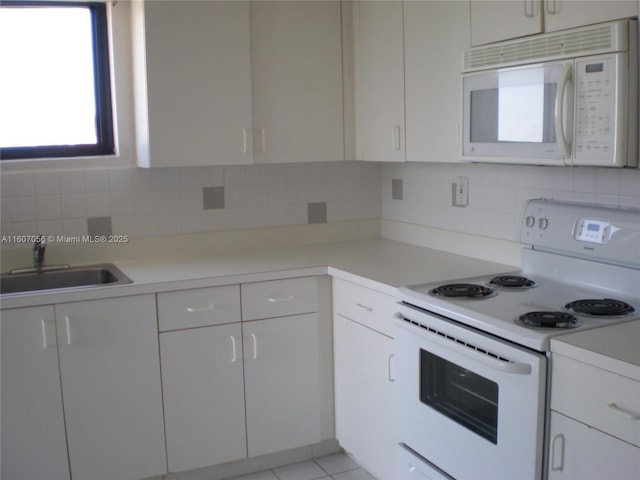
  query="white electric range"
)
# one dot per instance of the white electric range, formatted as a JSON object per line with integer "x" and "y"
{"x": 472, "y": 354}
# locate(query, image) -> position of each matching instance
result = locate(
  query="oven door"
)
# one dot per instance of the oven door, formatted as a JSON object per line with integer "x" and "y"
{"x": 469, "y": 403}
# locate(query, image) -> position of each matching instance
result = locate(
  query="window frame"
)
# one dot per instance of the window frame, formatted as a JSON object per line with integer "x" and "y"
{"x": 105, "y": 144}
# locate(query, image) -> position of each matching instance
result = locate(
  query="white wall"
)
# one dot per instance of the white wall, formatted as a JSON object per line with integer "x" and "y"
{"x": 497, "y": 193}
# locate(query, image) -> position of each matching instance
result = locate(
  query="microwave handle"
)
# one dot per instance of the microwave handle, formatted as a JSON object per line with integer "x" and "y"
{"x": 563, "y": 81}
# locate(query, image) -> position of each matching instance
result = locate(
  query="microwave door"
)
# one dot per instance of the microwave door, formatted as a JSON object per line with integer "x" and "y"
{"x": 519, "y": 115}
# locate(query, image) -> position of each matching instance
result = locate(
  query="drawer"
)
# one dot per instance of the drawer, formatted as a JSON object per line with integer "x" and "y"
{"x": 279, "y": 298}
{"x": 365, "y": 306}
{"x": 596, "y": 397}
{"x": 198, "y": 308}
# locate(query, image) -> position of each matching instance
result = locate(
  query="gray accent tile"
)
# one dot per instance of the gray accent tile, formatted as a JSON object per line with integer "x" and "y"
{"x": 99, "y": 226}
{"x": 317, "y": 212}
{"x": 396, "y": 189}
{"x": 212, "y": 198}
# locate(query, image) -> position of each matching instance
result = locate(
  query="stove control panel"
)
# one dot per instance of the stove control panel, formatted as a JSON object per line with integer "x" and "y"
{"x": 593, "y": 231}
{"x": 596, "y": 232}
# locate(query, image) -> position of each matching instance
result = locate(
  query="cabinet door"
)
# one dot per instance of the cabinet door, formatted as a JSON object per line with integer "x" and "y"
{"x": 495, "y": 20}
{"x": 364, "y": 395}
{"x": 282, "y": 372}
{"x": 109, "y": 365}
{"x": 379, "y": 81}
{"x": 562, "y": 14}
{"x": 193, "y": 83}
{"x": 34, "y": 445}
{"x": 297, "y": 81}
{"x": 436, "y": 33}
{"x": 203, "y": 393}
{"x": 579, "y": 452}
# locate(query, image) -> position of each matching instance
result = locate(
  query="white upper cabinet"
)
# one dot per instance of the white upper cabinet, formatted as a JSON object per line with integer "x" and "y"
{"x": 192, "y": 70}
{"x": 296, "y": 67}
{"x": 563, "y": 14}
{"x": 492, "y": 21}
{"x": 435, "y": 35}
{"x": 379, "y": 81}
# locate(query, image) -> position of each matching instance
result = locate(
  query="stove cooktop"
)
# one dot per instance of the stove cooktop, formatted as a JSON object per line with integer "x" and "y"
{"x": 563, "y": 294}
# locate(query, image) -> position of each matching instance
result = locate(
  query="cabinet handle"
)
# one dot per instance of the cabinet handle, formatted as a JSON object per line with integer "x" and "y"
{"x": 288, "y": 298}
{"x": 548, "y": 3}
{"x": 557, "y": 466}
{"x": 396, "y": 137}
{"x": 366, "y": 308}
{"x": 389, "y": 375}
{"x": 255, "y": 346}
{"x": 67, "y": 323}
{"x": 263, "y": 136}
{"x": 526, "y": 10}
{"x": 623, "y": 412}
{"x": 233, "y": 349}
{"x": 48, "y": 333}
{"x": 244, "y": 140}
{"x": 206, "y": 308}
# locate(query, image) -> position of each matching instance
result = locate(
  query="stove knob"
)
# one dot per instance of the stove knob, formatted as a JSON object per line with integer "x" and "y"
{"x": 543, "y": 223}
{"x": 529, "y": 221}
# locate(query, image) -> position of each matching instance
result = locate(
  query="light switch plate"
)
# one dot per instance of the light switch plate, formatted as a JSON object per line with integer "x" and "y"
{"x": 460, "y": 192}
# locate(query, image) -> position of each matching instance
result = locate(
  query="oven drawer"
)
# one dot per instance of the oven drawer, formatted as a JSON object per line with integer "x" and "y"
{"x": 363, "y": 305}
{"x": 596, "y": 397}
{"x": 200, "y": 307}
{"x": 279, "y": 298}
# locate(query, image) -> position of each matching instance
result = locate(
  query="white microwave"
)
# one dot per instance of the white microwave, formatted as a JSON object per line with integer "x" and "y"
{"x": 565, "y": 98}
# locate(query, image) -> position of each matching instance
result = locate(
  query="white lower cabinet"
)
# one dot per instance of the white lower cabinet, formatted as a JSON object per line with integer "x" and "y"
{"x": 282, "y": 371}
{"x": 110, "y": 372}
{"x": 363, "y": 375}
{"x": 580, "y": 452}
{"x": 203, "y": 396}
{"x": 101, "y": 357}
{"x": 594, "y": 431}
{"x": 34, "y": 445}
{"x": 234, "y": 389}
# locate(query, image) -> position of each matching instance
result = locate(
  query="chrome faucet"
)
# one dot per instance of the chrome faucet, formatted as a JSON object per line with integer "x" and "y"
{"x": 38, "y": 253}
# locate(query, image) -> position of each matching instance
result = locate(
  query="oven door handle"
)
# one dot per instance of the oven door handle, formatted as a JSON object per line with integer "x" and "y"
{"x": 464, "y": 349}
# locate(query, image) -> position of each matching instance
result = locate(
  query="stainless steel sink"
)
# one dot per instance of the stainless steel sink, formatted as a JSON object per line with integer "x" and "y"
{"x": 74, "y": 277}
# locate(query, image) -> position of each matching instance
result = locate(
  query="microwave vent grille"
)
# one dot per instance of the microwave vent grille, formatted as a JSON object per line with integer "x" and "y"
{"x": 571, "y": 43}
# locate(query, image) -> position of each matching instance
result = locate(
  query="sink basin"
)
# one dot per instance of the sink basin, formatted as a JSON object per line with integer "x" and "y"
{"x": 75, "y": 277}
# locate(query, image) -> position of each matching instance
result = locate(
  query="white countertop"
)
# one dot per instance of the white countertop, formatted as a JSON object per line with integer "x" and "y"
{"x": 380, "y": 264}
{"x": 615, "y": 348}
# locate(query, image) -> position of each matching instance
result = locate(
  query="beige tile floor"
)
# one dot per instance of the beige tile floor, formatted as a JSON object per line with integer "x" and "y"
{"x": 333, "y": 467}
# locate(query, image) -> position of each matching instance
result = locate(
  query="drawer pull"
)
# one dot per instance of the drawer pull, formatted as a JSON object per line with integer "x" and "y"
{"x": 623, "y": 412}
{"x": 206, "y": 308}
{"x": 289, "y": 298}
{"x": 366, "y": 308}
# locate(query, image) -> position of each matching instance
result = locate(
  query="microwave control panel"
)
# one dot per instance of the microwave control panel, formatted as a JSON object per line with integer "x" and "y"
{"x": 596, "y": 97}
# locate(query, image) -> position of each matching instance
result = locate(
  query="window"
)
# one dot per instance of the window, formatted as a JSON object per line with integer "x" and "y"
{"x": 55, "y": 92}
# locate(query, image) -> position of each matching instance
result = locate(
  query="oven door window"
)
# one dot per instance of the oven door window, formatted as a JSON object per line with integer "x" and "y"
{"x": 463, "y": 396}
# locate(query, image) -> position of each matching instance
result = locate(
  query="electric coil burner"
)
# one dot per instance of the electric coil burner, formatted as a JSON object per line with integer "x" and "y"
{"x": 549, "y": 320}
{"x": 606, "y": 307}
{"x": 462, "y": 290}
{"x": 512, "y": 281}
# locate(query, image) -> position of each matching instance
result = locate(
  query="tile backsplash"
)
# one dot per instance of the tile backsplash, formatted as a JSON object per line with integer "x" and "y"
{"x": 141, "y": 203}
{"x": 497, "y": 193}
